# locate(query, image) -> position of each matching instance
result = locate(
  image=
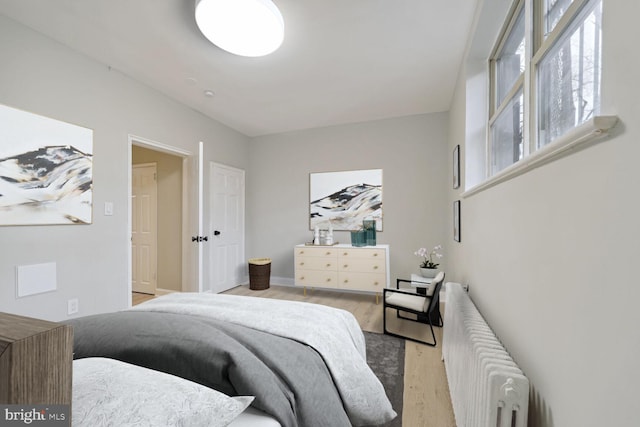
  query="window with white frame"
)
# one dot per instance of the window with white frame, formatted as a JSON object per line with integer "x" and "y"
{"x": 507, "y": 124}
{"x": 568, "y": 72}
{"x": 544, "y": 76}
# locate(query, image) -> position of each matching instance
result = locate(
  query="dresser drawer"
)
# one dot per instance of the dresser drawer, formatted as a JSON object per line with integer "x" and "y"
{"x": 363, "y": 265}
{"x": 372, "y": 253}
{"x": 316, "y": 263}
{"x": 316, "y": 278}
{"x": 373, "y": 282}
{"x": 316, "y": 251}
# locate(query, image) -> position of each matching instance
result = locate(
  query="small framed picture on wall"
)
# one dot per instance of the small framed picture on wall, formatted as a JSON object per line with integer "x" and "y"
{"x": 456, "y": 167}
{"x": 456, "y": 220}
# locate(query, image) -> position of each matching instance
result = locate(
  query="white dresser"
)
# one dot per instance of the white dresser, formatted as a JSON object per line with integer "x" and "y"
{"x": 348, "y": 267}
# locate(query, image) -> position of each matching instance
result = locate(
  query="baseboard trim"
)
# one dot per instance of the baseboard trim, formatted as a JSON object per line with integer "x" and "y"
{"x": 160, "y": 291}
{"x": 275, "y": 280}
{"x": 282, "y": 281}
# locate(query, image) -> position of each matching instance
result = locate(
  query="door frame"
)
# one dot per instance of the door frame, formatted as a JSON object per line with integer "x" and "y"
{"x": 186, "y": 226}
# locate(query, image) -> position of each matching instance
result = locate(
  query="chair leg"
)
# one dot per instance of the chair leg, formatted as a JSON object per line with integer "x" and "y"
{"x": 393, "y": 334}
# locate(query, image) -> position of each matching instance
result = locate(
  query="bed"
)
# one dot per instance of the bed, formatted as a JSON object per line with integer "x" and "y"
{"x": 262, "y": 362}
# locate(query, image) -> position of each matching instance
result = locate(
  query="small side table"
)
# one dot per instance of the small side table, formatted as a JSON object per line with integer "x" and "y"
{"x": 421, "y": 284}
{"x": 36, "y": 361}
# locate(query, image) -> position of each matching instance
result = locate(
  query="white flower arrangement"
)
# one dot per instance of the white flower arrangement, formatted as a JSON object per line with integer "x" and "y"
{"x": 428, "y": 256}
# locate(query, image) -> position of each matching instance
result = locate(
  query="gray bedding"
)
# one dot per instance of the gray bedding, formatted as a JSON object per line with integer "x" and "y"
{"x": 334, "y": 333}
{"x": 289, "y": 380}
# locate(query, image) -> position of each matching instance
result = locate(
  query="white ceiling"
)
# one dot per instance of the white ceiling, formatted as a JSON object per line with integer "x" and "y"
{"x": 342, "y": 61}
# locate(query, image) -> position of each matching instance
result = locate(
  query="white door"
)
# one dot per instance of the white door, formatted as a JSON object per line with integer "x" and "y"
{"x": 144, "y": 219}
{"x": 226, "y": 228}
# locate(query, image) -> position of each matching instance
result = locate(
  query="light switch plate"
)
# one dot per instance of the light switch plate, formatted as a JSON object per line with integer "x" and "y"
{"x": 108, "y": 208}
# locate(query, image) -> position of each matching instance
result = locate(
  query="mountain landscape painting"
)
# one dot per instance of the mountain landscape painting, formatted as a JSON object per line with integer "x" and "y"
{"x": 46, "y": 170}
{"x": 342, "y": 200}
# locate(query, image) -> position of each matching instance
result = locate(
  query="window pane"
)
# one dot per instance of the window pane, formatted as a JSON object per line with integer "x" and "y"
{"x": 507, "y": 133}
{"x": 569, "y": 77}
{"x": 553, "y": 11}
{"x": 510, "y": 60}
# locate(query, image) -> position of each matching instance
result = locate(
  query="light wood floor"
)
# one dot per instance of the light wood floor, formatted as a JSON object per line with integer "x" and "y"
{"x": 139, "y": 298}
{"x": 426, "y": 393}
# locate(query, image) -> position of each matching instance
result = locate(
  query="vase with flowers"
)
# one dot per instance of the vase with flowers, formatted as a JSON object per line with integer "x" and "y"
{"x": 428, "y": 267}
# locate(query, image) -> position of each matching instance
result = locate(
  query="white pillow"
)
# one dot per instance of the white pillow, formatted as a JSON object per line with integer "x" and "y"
{"x": 107, "y": 392}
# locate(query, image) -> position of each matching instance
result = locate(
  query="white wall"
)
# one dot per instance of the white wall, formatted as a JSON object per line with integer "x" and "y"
{"x": 46, "y": 78}
{"x": 41, "y": 76}
{"x": 411, "y": 151}
{"x": 550, "y": 256}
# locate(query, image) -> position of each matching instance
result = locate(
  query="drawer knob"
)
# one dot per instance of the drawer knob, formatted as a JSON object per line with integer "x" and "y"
{"x": 346, "y": 280}
{"x": 375, "y": 254}
{"x": 328, "y": 253}
{"x": 345, "y": 266}
{"x": 375, "y": 267}
{"x": 302, "y": 263}
{"x": 346, "y": 253}
{"x": 375, "y": 283}
{"x": 328, "y": 264}
{"x": 302, "y": 278}
{"x": 329, "y": 279}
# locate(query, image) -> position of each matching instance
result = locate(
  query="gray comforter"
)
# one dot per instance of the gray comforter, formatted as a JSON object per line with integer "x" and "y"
{"x": 289, "y": 380}
{"x": 333, "y": 333}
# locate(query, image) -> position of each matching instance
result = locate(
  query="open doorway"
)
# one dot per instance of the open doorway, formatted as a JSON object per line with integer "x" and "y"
{"x": 171, "y": 211}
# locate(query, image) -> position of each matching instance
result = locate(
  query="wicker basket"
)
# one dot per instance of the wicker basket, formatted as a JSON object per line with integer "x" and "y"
{"x": 259, "y": 273}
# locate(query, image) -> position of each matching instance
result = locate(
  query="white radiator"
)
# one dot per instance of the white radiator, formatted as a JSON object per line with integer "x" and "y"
{"x": 487, "y": 387}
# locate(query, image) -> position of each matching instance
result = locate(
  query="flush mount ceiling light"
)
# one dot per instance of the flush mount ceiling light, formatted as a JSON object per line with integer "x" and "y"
{"x": 242, "y": 27}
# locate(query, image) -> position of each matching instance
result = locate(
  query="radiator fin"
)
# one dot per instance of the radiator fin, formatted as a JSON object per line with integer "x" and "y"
{"x": 487, "y": 387}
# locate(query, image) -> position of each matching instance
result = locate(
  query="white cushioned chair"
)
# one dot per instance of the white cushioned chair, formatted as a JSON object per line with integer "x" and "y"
{"x": 424, "y": 306}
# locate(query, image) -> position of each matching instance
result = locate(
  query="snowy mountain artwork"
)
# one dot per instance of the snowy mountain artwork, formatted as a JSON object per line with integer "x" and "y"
{"x": 343, "y": 200}
{"x": 45, "y": 170}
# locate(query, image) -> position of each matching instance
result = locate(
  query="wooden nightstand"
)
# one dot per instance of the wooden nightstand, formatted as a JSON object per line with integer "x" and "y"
{"x": 36, "y": 361}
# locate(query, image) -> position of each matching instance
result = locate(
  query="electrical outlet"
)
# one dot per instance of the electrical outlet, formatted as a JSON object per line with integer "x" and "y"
{"x": 72, "y": 306}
